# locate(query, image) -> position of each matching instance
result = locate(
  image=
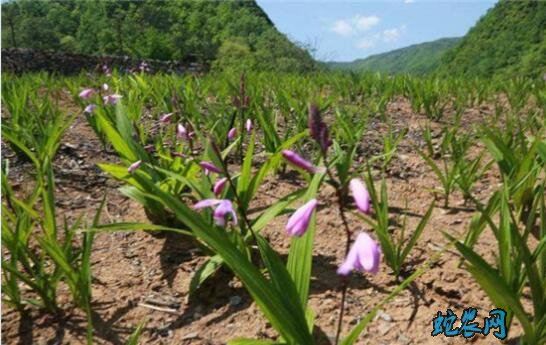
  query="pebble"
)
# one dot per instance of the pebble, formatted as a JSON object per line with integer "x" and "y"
{"x": 385, "y": 328}
{"x": 191, "y": 335}
{"x": 402, "y": 339}
{"x": 235, "y": 300}
{"x": 384, "y": 316}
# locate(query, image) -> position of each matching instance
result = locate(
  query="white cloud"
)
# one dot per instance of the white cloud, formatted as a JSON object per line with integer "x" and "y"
{"x": 409, "y": 1}
{"x": 342, "y": 28}
{"x": 354, "y": 25}
{"x": 366, "y": 43}
{"x": 364, "y": 23}
{"x": 392, "y": 35}
{"x": 386, "y": 36}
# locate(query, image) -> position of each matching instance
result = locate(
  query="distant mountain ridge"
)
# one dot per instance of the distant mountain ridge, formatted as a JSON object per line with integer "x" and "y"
{"x": 419, "y": 58}
{"x": 509, "y": 40}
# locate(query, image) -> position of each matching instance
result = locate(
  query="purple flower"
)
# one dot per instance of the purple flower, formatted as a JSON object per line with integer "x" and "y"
{"x": 206, "y": 203}
{"x": 299, "y": 221}
{"x": 248, "y": 125}
{"x": 183, "y": 133}
{"x": 111, "y": 99}
{"x": 209, "y": 167}
{"x": 361, "y": 195}
{"x": 106, "y": 70}
{"x": 318, "y": 128}
{"x": 86, "y": 94}
{"x": 232, "y": 133}
{"x": 134, "y": 167}
{"x": 224, "y": 207}
{"x": 219, "y": 186}
{"x": 364, "y": 256}
{"x": 90, "y": 109}
{"x": 166, "y": 118}
{"x": 298, "y": 161}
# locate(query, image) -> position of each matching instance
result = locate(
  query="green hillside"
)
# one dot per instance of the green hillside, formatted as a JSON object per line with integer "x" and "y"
{"x": 415, "y": 59}
{"x": 227, "y": 34}
{"x": 509, "y": 40}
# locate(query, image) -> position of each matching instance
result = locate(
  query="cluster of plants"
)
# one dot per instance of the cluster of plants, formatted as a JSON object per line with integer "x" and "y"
{"x": 194, "y": 152}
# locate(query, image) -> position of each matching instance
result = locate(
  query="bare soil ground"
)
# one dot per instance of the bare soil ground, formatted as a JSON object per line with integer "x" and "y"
{"x": 141, "y": 277}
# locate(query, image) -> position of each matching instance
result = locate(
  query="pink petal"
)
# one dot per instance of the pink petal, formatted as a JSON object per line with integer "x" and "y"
{"x": 111, "y": 99}
{"x": 134, "y": 167}
{"x": 181, "y": 132}
{"x": 248, "y": 125}
{"x": 90, "y": 109}
{"x": 86, "y": 94}
{"x": 299, "y": 221}
{"x": 219, "y": 186}
{"x": 224, "y": 208}
{"x": 165, "y": 118}
{"x": 369, "y": 253}
{"x": 360, "y": 195}
{"x": 349, "y": 264}
{"x": 364, "y": 255}
{"x": 208, "y": 166}
{"x": 298, "y": 161}
{"x": 206, "y": 203}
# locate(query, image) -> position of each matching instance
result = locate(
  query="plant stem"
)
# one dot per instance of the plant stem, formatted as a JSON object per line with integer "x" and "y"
{"x": 340, "y": 192}
{"x": 242, "y": 211}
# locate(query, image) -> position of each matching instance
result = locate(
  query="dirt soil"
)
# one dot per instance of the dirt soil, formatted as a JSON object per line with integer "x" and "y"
{"x": 137, "y": 276}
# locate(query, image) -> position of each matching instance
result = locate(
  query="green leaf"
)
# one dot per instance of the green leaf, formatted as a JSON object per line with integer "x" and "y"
{"x": 495, "y": 287}
{"x": 135, "y": 336}
{"x": 206, "y": 270}
{"x": 281, "y": 280}
{"x": 417, "y": 233}
{"x": 277, "y": 208}
{"x": 244, "y": 341}
{"x": 290, "y": 326}
{"x": 115, "y": 138}
{"x": 120, "y": 173}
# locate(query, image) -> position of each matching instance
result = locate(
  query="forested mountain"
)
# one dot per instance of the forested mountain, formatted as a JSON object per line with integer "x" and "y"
{"x": 509, "y": 40}
{"x": 227, "y": 34}
{"x": 415, "y": 59}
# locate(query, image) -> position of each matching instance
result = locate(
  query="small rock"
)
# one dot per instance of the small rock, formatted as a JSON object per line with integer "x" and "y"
{"x": 384, "y": 316}
{"x": 402, "y": 339}
{"x": 235, "y": 300}
{"x": 191, "y": 335}
{"x": 165, "y": 331}
{"x": 70, "y": 146}
{"x": 385, "y": 328}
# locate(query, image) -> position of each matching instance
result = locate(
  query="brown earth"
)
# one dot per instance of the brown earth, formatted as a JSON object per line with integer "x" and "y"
{"x": 141, "y": 277}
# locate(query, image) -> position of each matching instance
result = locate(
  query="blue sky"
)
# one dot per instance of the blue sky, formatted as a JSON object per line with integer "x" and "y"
{"x": 348, "y": 30}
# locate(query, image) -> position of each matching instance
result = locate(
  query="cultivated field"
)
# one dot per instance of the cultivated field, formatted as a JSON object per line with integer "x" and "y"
{"x": 161, "y": 209}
